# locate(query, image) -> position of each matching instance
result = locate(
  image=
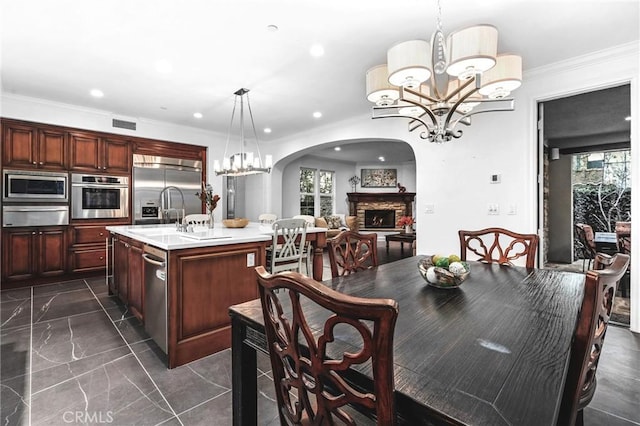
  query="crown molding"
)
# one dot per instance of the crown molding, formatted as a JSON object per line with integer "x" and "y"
{"x": 627, "y": 51}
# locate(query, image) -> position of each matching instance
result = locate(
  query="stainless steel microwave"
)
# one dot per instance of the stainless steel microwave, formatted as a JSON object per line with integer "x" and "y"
{"x": 24, "y": 186}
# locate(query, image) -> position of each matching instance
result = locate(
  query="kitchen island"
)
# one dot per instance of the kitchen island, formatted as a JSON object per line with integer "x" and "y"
{"x": 181, "y": 284}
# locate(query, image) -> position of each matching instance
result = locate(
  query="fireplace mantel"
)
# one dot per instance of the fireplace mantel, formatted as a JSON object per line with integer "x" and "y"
{"x": 375, "y": 197}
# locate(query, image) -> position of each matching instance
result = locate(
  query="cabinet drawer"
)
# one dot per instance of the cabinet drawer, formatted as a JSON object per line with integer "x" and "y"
{"x": 89, "y": 234}
{"x": 88, "y": 260}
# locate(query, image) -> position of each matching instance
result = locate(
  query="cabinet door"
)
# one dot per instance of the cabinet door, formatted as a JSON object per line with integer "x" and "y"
{"x": 19, "y": 146}
{"x": 52, "y": 255}
{"x": 85, "y": 152}
{"x": 19, "y": 254}
{"x": 136, "y": 284}
{"x": 52, "y": 149}
{"x": 117, "y": 155}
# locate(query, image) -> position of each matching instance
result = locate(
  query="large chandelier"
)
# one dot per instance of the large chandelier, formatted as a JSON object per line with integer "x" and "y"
{"x": 242, "y": 162}
{"x": 438, "y": 84}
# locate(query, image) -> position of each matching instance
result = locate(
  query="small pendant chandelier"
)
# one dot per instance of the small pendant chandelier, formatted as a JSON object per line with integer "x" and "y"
{"x": 242, "y": 162}
{"x": 439, "y": 84}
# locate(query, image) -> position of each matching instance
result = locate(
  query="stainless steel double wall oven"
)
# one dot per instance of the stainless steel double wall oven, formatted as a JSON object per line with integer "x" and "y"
{"x": 35, "y": 198}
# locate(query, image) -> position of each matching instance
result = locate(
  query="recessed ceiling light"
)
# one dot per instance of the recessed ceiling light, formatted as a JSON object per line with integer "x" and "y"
{"x": 164, "y": 108}
{"x": 96, "y": 93}
{"x": 197, "y": 114}
{"x": 316, "y": 50}
{"x": 272, "y": 28}
{"x": 628, "y": 118}
{"x": 317, "y": 114}
{"x": 267, "y": 130}
{"x": 337, "y": 148}
{"x": 381, "y": 158}
{"x": 164, "y": 66}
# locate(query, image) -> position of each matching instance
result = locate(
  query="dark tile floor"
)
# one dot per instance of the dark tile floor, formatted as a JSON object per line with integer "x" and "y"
{"x": 71, "y": 354}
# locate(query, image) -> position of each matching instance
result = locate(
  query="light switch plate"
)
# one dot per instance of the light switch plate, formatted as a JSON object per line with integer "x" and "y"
{"x": 494, "y": 178}
{"x": 251, "y": 260}
{"x": 429, "y": 208}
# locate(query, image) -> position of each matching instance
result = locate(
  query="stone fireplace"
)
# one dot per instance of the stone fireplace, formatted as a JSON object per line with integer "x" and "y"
{"x": 385, "y": 207}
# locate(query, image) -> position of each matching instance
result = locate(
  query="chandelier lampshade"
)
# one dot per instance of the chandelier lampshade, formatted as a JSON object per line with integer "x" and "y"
{"x": 409, "y": 63}
{"x": 379, "y": 90}
{"x": 442, "y": 83}
{"x": 503, "y": 78}
{"x": 472, "y": 50}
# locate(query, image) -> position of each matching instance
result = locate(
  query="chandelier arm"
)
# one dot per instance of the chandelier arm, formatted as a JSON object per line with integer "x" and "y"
{"x": 411, "y": 117}
{"x": 455, "y": 106}
{"x": 418, "y": 94}
{"x": 461, "y": 88}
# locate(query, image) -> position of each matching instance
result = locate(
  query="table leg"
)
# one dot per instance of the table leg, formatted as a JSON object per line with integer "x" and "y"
{"x": 318, "y": 244}
{"x": 401, "y": 247}
{"x": 387, "y": 245}
{"x": 244, "y": 387}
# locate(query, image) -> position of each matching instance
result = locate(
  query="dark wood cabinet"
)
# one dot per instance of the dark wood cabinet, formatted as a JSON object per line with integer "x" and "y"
{"x": 88, "y": 250}
{"x": 28, "y": 147}
{"x": 91, "y": 152}
{"x": 33, "y": 252}
{"x": 128, "y": 282}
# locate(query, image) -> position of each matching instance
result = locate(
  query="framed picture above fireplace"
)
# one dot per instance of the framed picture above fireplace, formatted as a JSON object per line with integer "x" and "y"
{"x": 378, "y": 178}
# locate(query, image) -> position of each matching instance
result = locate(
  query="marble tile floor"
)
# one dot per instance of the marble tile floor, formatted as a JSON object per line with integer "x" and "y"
{"x": 72, "y": 354}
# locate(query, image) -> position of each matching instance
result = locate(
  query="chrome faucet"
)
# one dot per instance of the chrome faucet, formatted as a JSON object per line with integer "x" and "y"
{"x": 165, "y": 210}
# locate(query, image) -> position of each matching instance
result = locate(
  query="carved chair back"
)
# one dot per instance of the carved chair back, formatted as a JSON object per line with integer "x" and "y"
{"x": 308, "y": 360}
{"x": 600, "y": 288}
{"x": 350, "y": 252}
{"x": 623, "y": 235}
{"x": 499, "y": 245}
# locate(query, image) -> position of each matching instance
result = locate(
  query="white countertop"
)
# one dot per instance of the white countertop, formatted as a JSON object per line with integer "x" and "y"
{"x": 166, "y": 237}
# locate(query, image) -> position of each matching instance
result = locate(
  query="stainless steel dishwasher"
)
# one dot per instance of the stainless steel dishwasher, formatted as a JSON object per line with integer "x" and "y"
{"x": 155, "y": 296}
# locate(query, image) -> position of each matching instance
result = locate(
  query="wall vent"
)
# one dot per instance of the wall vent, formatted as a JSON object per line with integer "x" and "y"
{"x": 124, "y": 124}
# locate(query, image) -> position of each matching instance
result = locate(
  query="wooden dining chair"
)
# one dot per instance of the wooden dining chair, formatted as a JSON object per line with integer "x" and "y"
{"x": 350, "y": 252}
{"x": 309, "y": 365}
{"x": 308, "y": 250}
{"x": 499, "y": 245}
{"x": 599, "y": 292}
{"x": 288, "y": 248}
{"x": 267, "y": 218}
{"x": 587, "y": 246}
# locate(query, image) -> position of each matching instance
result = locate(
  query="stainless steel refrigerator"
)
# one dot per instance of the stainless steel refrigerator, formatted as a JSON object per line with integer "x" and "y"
{"x": 152, "y": 174}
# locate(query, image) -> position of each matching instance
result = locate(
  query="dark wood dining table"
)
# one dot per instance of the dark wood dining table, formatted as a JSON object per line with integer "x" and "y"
{"x": 492, "y": 352}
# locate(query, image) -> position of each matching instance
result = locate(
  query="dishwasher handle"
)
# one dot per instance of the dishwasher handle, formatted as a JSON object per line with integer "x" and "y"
{"x": 151, "y": 260}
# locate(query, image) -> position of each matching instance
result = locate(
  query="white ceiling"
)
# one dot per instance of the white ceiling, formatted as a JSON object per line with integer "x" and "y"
{"x": 60, "y": 50}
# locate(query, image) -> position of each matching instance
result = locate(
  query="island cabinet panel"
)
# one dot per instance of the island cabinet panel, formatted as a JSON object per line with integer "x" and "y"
{"x": 28, "y": 147}
{"x": 135, "y": 279}
{"x": 127, "y": 282}
{"x": 203, "y": 283}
